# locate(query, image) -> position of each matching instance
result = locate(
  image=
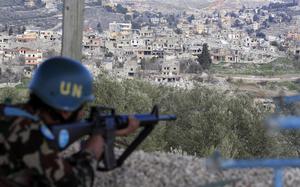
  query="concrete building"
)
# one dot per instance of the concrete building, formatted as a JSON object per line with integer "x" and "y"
{"x": 8, "y": 55}
{"x": 224, "y": 55}
{"x": 107, "y": 65}
{"x": 294, "y": 35}
{"x": 131, "y": 68}
{"x": 29, "y": 3}
{"x": 4, "y": 42}
{"x": 170, "y": 72}
{"x": 49, "y": 35}
{"x": 120, "y": 28}
{"x": 91, "y": 41}
{"x": 50, "y": 4}
{"x": 27, "y": 37}
{"x": 146, "y": 32}
{"x": 33, "y": 57}
{"x": 27, "y": 72}
{"x": 170, "y": 68}
{"x": 250, "y": 42}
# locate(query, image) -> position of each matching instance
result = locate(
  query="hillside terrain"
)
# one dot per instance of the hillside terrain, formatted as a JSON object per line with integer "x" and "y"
{"x": 219, "y": 4}
{"x": 14, "y": 13}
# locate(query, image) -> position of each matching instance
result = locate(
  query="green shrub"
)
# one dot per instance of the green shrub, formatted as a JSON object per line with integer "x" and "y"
{"x": 207, "y": 119}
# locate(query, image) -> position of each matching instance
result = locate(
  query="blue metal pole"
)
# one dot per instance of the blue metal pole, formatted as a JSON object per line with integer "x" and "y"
{"x": 278, "y": 177}
{"x": 291, "y": 99}
{"x": 286, "y": 122}
{"x": 257, "y": 163}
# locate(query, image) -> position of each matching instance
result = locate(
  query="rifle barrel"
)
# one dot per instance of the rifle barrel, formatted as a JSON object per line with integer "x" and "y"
{"x": 151, "y": 117}
{"x": 147, "y": 119}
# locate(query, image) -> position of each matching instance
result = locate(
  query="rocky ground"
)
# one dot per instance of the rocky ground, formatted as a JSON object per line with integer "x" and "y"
{"x": 166, "y": 169}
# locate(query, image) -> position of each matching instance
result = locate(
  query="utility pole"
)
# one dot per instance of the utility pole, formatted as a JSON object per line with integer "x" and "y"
{"x": 72, "y": 29}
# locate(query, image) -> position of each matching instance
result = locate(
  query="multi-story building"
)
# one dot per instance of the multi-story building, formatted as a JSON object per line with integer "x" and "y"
{"x": 170, "y": 72}
{"x": 255, "y": 26}
{"x": 297, "y": 50}
{"x": 120, "y": 28}
{"x": 294, "y": 35}
{"x": 34, "y": 57}
{"x": 8, "y": 55}
{"x": 170, "y": 68}
{"x": 131, "y": 68}
{"x": 146, "y": 32}
{"x": 27, "y": 72}
{"x": 49, "y": 35}
{"x": 91, "y": 41}
{"x": 137, "y": 42}
{"x": 4, "y": 42}
{"x": 250, "y": 42}
{"x": 29, "y": 3}
{"x": 27, "y": 37}
{"x": 50, "y": 4}
{"x": 31, "y": 57}
{"x": 224, "y": 55}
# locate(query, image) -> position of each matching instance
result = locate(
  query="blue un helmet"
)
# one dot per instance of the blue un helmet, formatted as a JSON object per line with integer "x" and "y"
{"x": 62, "y": 83}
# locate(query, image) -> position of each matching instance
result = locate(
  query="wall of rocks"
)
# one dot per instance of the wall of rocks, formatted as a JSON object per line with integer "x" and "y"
{"x": 166, "y": 169}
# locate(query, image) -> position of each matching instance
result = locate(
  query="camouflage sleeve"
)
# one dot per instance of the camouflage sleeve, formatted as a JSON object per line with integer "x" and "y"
{"x": 29, "y": 145}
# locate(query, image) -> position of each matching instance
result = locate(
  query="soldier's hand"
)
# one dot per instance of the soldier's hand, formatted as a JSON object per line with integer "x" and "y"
{"x": 133, "y": 125}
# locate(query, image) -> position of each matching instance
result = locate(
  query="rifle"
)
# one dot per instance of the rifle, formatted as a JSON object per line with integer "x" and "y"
{"x": 103, "y": 120}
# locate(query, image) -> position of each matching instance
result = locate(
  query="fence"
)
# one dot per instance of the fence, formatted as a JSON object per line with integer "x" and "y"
{"x": 278, "y": 165}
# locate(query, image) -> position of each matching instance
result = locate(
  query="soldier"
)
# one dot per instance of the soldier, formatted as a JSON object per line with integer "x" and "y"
{"x": 58, "y": 92}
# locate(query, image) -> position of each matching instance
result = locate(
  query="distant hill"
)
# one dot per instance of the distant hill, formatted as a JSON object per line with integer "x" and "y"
{"x": 13, "y": 12}
{"x": 5, "y": 3}
{"x": 172, "y": 5}
{"x": 235, "y": 4}
{"x": 94, "y": 15}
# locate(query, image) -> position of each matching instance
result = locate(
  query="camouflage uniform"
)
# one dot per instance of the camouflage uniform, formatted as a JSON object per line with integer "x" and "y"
{"x": 28, "y": 159}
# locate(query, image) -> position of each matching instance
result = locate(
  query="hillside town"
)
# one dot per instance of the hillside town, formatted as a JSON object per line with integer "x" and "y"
{"x": 162, "y": 48}
{"x": 213, "y": 84}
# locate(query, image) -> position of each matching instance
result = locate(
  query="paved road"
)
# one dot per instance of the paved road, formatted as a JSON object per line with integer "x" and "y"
{"x": 254, "y": 79}
{"x": 5, "y": 85}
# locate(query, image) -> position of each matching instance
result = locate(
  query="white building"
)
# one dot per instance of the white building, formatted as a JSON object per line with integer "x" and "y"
{"x": 33, "y": 57}
{"x": 123, "y": 28}
{"x": 170, "y": 67}
{"x": 4, "y": 42}
{"x": 50, "y": 4}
